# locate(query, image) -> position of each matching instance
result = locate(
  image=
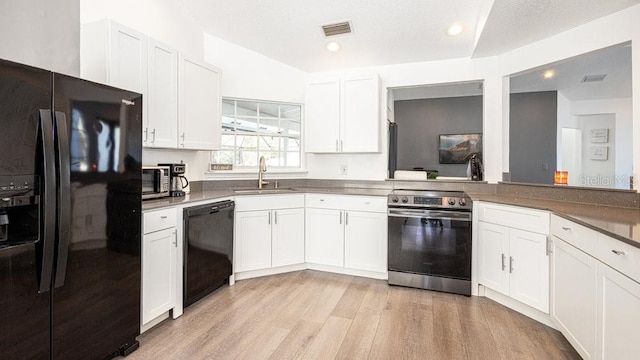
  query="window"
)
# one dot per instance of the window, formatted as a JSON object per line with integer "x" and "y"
{"x": 251, "y": 129}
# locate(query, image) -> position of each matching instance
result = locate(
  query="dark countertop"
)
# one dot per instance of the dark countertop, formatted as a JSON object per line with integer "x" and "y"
{"x": 618, "y": 222}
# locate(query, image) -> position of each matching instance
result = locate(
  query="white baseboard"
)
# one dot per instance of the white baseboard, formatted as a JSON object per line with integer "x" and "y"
{"x": 154, "y": 322}
{"x": 347, "y": 271}
{"x": 271, "y": 271}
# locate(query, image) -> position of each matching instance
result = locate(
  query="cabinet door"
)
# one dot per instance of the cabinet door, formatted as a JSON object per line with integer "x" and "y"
{"x": 493, "y": 256}
{"x": 200, "y": 122}
{"x": 618, "y": 315}
{"x": 365, "y": 241}
{"x": 360, "y": 113}
{"x": 529, "y": 269}
{"x": 253, "y": 240}
{"x": 573, "y": 294}
{"x": 162, "y": 100}
{"x": 324, "y": 237}
{"x": 288, "y": 237}
{"x": 158, "y": 273}
{"x": 322, "y": 116}
{"x": 128, "y": 59}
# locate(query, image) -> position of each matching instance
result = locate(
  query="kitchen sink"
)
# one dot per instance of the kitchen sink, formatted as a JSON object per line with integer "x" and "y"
{"x": 263, "y": 191}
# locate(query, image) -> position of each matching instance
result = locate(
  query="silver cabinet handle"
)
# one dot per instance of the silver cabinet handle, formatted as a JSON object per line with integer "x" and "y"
{"x": 510, "y": 264}
{"x": 182, "y": 136}
{"x": 153, "y": 136}
{"x": 146, "y": 134}
{"x": 618, "y": 252}
{"x": 175, "y": 239}
{"x": 340, "y": 217}
{"x": 163, "y": 217}
{"x": 566, "y": 228}
{"x": 337, "y": 147}
{"x": 548, "y": 245}
{"x": 346, "y": 218}
{"x": 341, "y": 145}
{"x": 269, "y": 221}
{"x": 503, "y": 265}
{"x": 275, "y": 217}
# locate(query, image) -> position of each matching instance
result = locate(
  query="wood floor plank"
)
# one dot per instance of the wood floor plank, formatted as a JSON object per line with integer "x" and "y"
{"x": 297, "y": 341}
{"x": 357, "y": 342}
{"x": 349, "y": 303}
{"x": 329, "y": 339}
{"x": 354, "y": 318}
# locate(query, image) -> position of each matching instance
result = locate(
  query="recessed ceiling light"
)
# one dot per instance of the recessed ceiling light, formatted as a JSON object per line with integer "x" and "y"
{"x": 333, "y": 46}
{"x": 455, "y": 29}
{"x": 549, "y": 74}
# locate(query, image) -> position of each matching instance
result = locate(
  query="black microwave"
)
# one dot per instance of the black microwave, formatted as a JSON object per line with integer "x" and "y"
{"x": 155, "y": 182}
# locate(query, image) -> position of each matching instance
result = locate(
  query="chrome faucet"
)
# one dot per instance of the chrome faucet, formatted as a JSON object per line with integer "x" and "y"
{"x": 262, "y": 168}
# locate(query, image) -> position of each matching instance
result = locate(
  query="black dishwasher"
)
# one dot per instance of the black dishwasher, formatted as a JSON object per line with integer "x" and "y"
{"x": 208, "y": 250}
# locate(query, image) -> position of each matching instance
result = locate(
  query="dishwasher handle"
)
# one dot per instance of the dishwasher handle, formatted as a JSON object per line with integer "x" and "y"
{"x": 210, "y": 208}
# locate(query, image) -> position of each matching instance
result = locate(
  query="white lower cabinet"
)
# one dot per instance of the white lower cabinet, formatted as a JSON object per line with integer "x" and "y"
{"x": 253, "y": 240}
{"x": 159, "y": 244}
{"x": 269, "y": 232}
{"x": 513, "y": 261}
{"x": 618, "y": 315}
{"x": 324, "y": 237}
{"x": 594, "y": 305}
{"x": 364, "y": 246}
{"x": 573, "y": 285}
{"x": 346, "y": 231}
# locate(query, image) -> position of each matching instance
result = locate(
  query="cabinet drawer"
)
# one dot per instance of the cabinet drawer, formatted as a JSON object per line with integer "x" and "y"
{"x": 159, "y": 220}
{"x": 269, "y": 202}
{"x": 620, "y": 256}
{"x": 347, "y": 202}
{"x": 515, "y": 217}
{"x": 577, "y": 235}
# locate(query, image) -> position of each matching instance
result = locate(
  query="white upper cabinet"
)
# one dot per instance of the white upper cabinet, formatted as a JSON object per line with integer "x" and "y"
{"x": 322, "y": 115}
{"x": 360, "y": 128}
{"x": 343, "y": 114}
{"x": 200, "y": 122}
{"x": 161, "y": 125}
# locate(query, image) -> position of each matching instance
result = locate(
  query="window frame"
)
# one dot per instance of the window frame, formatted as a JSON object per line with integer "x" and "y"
{"x": 279, "y": 135}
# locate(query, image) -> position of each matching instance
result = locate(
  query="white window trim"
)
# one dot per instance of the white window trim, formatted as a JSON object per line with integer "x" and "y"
{"x": 244, "y": 171}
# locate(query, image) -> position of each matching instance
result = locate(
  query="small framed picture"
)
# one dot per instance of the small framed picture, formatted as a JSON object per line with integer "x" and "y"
{"x": 600, "y": 153}
{"x": 599, "y": 136}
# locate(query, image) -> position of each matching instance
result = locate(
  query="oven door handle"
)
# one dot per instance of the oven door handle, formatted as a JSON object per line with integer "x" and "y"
{"x": 431, "y": 214}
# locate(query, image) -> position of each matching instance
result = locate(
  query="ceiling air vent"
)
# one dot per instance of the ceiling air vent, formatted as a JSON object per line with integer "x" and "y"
{"x": 336, "y": 29}
{"x": 593, "y": 78}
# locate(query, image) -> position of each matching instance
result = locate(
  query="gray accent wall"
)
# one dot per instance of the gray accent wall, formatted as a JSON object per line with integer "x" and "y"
{"x": 420, "y": 123}
{"x": 533, "y": 125}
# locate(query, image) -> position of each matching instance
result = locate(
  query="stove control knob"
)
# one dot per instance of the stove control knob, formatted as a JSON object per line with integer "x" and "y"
{"x": 462, "y": 202}
{"x": 394, "y": 199}
{"x": 452, "y": 201}
{"x": 405, "y": 199}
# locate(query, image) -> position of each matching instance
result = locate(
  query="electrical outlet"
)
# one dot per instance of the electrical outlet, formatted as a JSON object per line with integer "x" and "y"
{"x": 342, "y": 169}
{"x": 545, "y": 166}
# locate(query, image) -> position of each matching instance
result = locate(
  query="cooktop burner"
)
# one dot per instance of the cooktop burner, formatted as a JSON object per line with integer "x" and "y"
{"x": 430, "y": 199}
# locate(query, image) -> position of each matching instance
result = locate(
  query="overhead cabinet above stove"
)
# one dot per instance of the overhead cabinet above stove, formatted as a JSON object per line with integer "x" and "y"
{"x": 342, "y": 114}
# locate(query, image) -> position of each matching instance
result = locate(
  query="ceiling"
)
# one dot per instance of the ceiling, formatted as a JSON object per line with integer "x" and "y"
{"x": 390, "y": 32}
{"x": 614, "y": 62}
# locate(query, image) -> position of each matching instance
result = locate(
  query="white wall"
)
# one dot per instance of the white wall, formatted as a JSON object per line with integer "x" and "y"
{"x": 41, "y": 33}
{"x": 163, "y": 20}
{"x": 614, "y": 29}
{"x": 564, "y": 120}
{"x": 621, "y": 137}
{"x": 247, "y": 74}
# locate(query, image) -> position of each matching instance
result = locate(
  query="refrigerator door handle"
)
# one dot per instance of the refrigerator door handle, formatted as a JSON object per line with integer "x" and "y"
{"x": 64, "y": 192}
{"x": 47, "y": 238}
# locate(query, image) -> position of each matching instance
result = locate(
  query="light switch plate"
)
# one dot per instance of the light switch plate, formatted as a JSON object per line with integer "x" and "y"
{"x": 342, "y": 169}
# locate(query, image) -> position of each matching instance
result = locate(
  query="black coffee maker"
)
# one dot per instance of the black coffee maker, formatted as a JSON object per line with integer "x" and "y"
{"x": 177, "y": 180}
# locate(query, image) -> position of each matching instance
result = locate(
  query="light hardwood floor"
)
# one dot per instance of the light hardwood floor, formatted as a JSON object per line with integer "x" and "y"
{"x": 317, "y": 315}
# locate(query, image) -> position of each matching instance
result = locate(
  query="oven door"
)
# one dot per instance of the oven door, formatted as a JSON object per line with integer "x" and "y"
{"x": 430, "y": 242}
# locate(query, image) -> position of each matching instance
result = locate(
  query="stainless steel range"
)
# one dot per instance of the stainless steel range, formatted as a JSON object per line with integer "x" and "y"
{"x": 430, "y": 240}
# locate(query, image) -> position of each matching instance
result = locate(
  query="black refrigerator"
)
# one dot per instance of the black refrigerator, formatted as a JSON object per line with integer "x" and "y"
{"x": 70, "y": 198}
